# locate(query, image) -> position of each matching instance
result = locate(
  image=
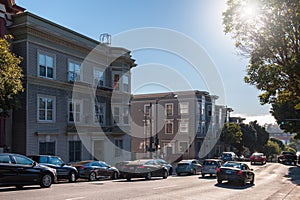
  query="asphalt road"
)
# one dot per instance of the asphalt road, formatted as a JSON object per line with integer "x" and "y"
{"x": 272, "y": 181}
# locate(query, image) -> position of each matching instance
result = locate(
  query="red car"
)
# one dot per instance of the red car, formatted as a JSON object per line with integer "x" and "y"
{"x": 258, "y": 158}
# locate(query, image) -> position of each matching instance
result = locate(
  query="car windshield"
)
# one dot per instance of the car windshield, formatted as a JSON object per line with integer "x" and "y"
{"x": 56, "y": 161}
{"x": 257, "y": 154}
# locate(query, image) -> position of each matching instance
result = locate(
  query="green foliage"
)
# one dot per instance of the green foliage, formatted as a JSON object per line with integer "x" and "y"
{"x": 10, "y": 76}
{"x": 249, "y": 136}
{"x": 279, "y": 142}
{"x": 271, "y": 148}
{"x": 288, "y": 148}
{"x": 262, "y": 136}
{"x": 232, "y": 135}
{"x": 270, "y": 38}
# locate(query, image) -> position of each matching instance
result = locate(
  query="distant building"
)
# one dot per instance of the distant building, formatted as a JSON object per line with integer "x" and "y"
{"x": 53, "y": 119}
{"x": 275, "y": 132}
{"x": 176, "y": 125}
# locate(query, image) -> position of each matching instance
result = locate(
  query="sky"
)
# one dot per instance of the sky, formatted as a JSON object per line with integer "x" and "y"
{"x": 177, "y": 45}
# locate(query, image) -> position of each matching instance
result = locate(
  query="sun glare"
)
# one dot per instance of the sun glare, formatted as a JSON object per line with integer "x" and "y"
{"x": 249, "y": 10}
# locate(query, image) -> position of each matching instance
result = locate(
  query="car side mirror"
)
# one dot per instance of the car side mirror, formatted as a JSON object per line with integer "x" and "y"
{"x": 34, "y": 164}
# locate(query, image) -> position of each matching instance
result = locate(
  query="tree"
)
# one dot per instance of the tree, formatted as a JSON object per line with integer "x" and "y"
{"x": 279, "y": 142}
{"x": 262, "y": 136}
{"x": 271, "y": 148}
{"x": 232, "y": 135}
{"x": 249, "y": 136}
{"x": 269, "y": 36}
{"x": 10, "y": 77}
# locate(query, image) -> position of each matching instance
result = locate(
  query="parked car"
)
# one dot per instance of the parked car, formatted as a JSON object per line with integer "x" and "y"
{"x": 63, "y": 170}
{"x": 287, "y": 157}
{"x": 93, "y": 170}
{"x": 210, "y": 166}
{"x": 120, "y": 166}
{"x": 258, "y": 158}
{"x": 144, "y": 168}
{"x": 166, "y": 164}
{"x": 228, "y": 156}
{"x": 191, "y": 166}
{"x": 18, "y": 170}
{"x": 235, "y": 172}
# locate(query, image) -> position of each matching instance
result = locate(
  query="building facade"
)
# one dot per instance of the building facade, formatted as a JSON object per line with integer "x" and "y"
{"x": 77, "y": 90}
{"x": 176, "y": 125}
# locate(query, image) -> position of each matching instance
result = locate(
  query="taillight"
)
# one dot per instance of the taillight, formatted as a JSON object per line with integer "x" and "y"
{"x": 218, "y": 170}
{"x": 240, "y": 173}
{"x": 83, "y": 167}
{"x": 141, "y": 167}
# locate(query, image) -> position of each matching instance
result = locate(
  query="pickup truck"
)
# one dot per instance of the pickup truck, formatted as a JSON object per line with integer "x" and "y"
{"x": 287, "y": 157}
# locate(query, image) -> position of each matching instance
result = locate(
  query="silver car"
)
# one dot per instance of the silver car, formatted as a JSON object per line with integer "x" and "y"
{"x": 210, "y": 166}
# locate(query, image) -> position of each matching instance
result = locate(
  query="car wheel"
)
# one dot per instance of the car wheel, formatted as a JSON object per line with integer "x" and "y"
{"x": 46, "y": 180}
{"x": 252, "y": 181}
{"x": 72, "y": 177}
{"x": 19, "y": 187}
{"x": 92, "y": 176}
{"x": 165, "y": 174}
{"x": 203, "y": 175}
{"x": 148, "y": 176}
{"x": 194, "y": 172}
{"x": 128, "y": 178}
{"x": 114, "y": 176}
{"x": 178, "y": 174}
{"x": 251, "y": 163}
{"x": 219, "y": 181}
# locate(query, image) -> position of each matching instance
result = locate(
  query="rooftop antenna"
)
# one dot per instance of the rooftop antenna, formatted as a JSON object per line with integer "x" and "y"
{"x": 105, "y": 38}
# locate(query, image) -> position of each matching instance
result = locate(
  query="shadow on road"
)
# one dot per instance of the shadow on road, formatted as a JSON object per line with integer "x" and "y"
{"x": 232, "y": 185}
{"x": 137, "y": 180}
{"x": 294, "y": 175}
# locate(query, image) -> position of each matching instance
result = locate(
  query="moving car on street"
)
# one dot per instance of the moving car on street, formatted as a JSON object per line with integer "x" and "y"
{"x": 210, "y": 166}
{"x": 144, "y": 168}
{"x": 192, "y": 166}
{"x": 63, "y": 170}
{"x": 93, "y": 170}
{"x": 235, "y": 172}
{"x": 228, "y": 156}
{"x": 18, "y": 170}
{"x": 258, "y": 158}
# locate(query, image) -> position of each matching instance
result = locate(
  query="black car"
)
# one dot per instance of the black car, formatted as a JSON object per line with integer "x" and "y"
{"x": 93, "y": 170}
{"x": 63, "y": 171}
{"x": 235, "y": 172}
{"x": 166, "y": 164}
{"x": 144, "y": 168}
{"x": 18, "y": 170}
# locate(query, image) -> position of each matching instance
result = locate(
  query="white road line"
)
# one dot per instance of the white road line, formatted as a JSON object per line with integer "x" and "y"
{"x": 76, "y": 198}
{"x": 170, "y": 186}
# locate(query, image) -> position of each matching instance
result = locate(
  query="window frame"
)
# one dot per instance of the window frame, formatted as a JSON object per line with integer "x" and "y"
{"x": 166, "y": 127}
{"x": 97, "y": 80}
{"x": 53, "y": 99}
{"x": 97, "y": 120}
{"x": 75, "y": 115}
{"x": 74, "y": 72}
{"x": 166, "y": 109}
{"x": 46, "y": 54}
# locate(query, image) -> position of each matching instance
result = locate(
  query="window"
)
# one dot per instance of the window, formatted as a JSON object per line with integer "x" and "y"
{"x": 47, "y": 148}
{"x": 74, "y": 71}
{"x": 125, "y": 83}
{"x": 147, "y": 110}
{"x": 21, "y": 160}
{"x": 118, "y": 147}
{"x": 116, "y": 115}
{"x": 184, "y": 108}
{"x": 169, "y": 109}
{"x": 46, "y": 108}
{"x": 209, "y": 111}
{"x": 116, "y": 83}
{"x": 125, "y": 115}
{"x": 147, "y": 127}
{"x": 169, "y": 127}
{"x": 183, "y": 147}
{"x": 99, "y": 77}
{"x": 46, "y": 65}
{"x": 100, "y": 113}
{"x": 184, "y": 126}
{"x": 74, "y": 151}
{"x": 74, "y": 111}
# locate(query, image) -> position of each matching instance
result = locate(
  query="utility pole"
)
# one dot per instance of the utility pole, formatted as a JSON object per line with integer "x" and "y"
{"x": 151, "y": 135}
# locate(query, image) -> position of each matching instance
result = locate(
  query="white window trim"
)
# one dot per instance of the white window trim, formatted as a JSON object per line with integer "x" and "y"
{"x": 44, "y": 140}
{"x": 184, "y": 121}
{"x": 128, "y": 84}
{"x": 179, "y": 146}
{"x": 119, "y": 82}
{"x": 71, "y": 140}
{"x": 166, "y": 105}
{"x": 169, "y": 121}
{"x": 80, "y": 73}
{"x": 38, "y": 63}
{"x": 119, "y": 116}
{"x": 81, "y": 113}
{"x": 123, "y": 115}
{"x": 188, "y": 107}
{"x": 54, "y": 108}
{"x": 104, "y": 118}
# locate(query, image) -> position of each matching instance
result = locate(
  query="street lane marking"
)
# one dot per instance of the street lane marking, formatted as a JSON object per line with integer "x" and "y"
{"x": 170, "y": 186}
{"x": 76, "y": 198}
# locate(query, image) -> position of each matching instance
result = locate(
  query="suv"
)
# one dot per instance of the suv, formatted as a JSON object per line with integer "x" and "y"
{"x": 287, "y": 157}
{"x": 18, "y": 170}
{"x": 210, "y": 166}
{"x": 228, "y": 156}
{"x": 63, "y": 171}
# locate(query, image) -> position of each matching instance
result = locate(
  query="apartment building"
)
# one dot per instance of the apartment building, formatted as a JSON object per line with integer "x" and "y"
{"x": 77, "y": 91}
{"x": 176, "y": 125}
